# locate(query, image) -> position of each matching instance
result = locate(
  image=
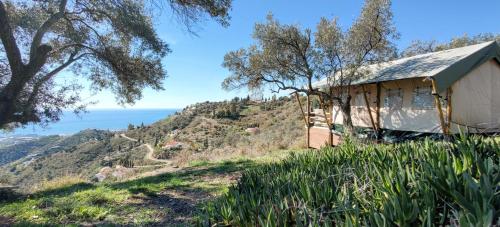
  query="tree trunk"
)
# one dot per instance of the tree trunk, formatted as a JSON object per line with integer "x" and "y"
{"x": 345, "y": 107}
{"x": 9, "y": 96}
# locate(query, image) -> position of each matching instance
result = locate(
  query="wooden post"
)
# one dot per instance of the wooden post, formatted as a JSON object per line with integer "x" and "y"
{"x": 368, "y": 108}
{"x": 301, "y": 109}
{"x": 438, "y": 106}
{"x": 322, "y": 104}
{"x": 448, "y": 109}
{"x": 331, "y": 115}
{"x": 377, "y": 113}
{"x": 308, "y": 124}
{"x": 330, "y": 134}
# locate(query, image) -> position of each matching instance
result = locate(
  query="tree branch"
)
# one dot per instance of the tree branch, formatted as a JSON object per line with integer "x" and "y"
{"x": 282, "y": 86}
{"x": 48, "y": 76}
{"x": 9, "y": 42}
{"x": 99, "y": 37}
{"x": 37, "y": 39}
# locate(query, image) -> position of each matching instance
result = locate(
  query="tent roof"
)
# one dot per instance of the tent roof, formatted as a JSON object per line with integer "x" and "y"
{"x": 445, "y": 67}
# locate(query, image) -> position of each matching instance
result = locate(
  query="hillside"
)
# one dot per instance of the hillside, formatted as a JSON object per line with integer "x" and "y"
{"x": 167, "y": 199}
{"x": 207, "y": 131}
{"x": 81, "y": 154}
{"x": 214, "y": 130}
{"x": 13, "y": 149}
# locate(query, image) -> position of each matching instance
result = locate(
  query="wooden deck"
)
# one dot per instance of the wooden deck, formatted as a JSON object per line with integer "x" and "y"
{"x": 318, "y": 137}
{"x": 318, "y": 124}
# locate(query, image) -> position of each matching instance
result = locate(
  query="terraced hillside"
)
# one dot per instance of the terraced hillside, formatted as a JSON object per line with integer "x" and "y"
{"x": 220, "y": 130}
{"x": 207, "y": 131}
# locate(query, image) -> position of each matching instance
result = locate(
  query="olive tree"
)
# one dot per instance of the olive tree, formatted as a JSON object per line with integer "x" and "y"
{"x": 288, "y": 57}
{"x": 112, "y": 43}
{"x": 421, "y": 47}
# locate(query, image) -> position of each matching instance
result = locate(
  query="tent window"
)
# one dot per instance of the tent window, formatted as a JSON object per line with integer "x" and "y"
{"x": 422, "y": 98}
{"x": 359, "y": 99}
{"x": 394, "y": 98}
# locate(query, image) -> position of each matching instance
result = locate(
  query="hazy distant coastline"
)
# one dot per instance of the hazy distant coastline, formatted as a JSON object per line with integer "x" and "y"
{"x": 104, "y": 119}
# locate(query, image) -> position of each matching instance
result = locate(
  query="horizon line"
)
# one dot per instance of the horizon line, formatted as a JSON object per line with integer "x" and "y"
{"x": 145, "y": 108}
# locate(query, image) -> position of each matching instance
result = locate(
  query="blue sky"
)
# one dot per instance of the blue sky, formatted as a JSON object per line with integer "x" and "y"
{"x": 194, "y": 67}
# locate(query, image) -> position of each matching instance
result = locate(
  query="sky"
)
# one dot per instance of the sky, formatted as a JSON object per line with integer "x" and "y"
{"x": 194, "y": 66}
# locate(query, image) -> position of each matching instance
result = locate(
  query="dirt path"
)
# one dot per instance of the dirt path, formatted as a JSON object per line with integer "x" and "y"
{"x": 126, "y": 137}
{"x": 166, "y": 165}
{"x": 182, "y": 202}
{"x": 199, "y": 184}
{"x": 150, "y": 156}
{"x": 150, "y": 153}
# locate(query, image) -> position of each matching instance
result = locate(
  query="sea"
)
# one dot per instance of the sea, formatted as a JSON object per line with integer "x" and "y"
{"x": 109, "y": 119}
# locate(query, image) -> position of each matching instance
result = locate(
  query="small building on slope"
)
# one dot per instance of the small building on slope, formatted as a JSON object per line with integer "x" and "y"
{"x": 441, "y": 92}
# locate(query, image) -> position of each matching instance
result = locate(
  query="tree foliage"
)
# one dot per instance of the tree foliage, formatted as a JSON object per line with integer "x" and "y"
{"x": 288, "y": 57}
{"x": 112, "y": 43}
{"x": 421, "y": 47}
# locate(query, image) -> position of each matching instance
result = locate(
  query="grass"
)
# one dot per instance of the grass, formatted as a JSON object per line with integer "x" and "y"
{"x": 58, "y": 183}
{"x": 81, "y": 202}
{"x": 157, "y": 199}
{"x": 250, "y": 110}
{"x": 424, "y": 183}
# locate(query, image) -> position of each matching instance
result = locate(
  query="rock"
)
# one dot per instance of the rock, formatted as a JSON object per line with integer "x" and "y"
{"x": 100, "y": 177}
{"x": 106, "y": 170}
{"x": 172, "y": 145}
{"x": 121, "y": 172}
{"x": 253, "y": 130}
{"x": 103, "y": 173}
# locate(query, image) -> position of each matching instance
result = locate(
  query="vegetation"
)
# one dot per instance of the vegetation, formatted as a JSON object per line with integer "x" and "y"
{"x": 204, "y": 136}
{"x": 112, "y": 43}
{"x": 165, "y": 199}
{"x": 82, "y": 154}
{"x": 212, "y": 130}
{"x": 18, "y": 150}
{"x": 422, "y": 47}
{"x": 290, "y": 58}
{"x": 425, "y": 183}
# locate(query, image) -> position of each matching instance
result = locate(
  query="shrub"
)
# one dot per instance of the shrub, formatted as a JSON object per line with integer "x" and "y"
{"x": 8, "y": 194}
{"x": 60, "y": 182}
{"x": 414, "y": 183}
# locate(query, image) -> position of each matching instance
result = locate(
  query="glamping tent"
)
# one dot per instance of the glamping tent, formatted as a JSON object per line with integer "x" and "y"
{"x": 441, "y": 92}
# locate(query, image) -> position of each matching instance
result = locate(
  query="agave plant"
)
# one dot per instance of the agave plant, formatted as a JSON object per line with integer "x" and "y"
{"x": 423, "y": 183}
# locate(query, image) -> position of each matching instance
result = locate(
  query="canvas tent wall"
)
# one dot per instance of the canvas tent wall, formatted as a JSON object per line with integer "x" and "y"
{"x": 400, "y": 115}
{"x": 467, "y": 81}
{"x": 476, "y": 100}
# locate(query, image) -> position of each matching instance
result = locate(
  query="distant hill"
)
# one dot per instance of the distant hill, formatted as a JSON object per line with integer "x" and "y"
{"x": 209, "y": 130}
{"x": 12, "y": 149}
{"x": 203, "y": 131}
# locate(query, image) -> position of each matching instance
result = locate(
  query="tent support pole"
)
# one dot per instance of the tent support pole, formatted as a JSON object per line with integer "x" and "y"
{"x": 448, "y": 109}
{"x": 308, "y": 124}
{"x": 330, "y": 135}
{"x": 377, "y": 113}
{"x": 368, "y": 108}
{"x": 438, "y": 106}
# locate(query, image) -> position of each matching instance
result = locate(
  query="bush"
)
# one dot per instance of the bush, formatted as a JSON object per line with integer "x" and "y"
{"x": 415, "y": 183}
{"x": 8, "y": 194}
{"x": 60, "y": 182}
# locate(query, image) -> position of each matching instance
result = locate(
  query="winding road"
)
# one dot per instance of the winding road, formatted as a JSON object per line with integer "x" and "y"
{"x": 150, "y": 153}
